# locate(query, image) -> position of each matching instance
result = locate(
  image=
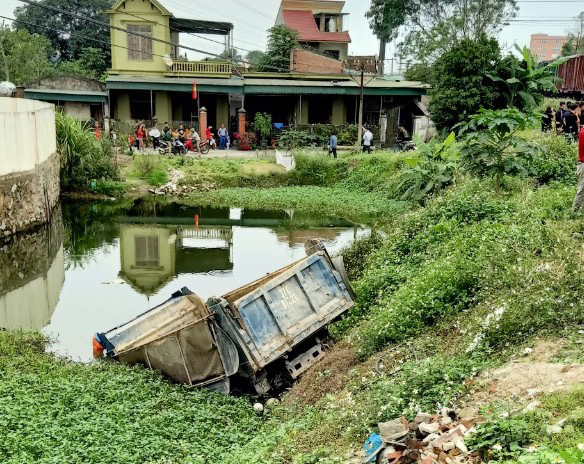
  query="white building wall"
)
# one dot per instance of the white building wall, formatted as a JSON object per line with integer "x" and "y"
{"x": 27, "y": 134}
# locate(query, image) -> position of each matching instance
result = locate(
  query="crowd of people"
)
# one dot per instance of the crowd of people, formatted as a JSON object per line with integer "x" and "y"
{"x": 188, "y": 137}
{"x": 568, "y": 119}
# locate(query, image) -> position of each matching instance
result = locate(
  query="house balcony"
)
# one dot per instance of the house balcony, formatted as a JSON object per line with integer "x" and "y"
{"x": 200, "y": 69}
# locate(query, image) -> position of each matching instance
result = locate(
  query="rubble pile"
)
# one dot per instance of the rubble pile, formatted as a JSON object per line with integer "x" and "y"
{"x": 429, "y": 439}
{"x": 178, "y": 190}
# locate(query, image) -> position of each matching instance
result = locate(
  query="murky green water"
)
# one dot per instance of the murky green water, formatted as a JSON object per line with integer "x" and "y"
{"x": 98, "y": 265}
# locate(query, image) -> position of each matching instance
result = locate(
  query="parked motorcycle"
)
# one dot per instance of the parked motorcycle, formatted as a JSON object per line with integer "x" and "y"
{"x": 405, "y": 145}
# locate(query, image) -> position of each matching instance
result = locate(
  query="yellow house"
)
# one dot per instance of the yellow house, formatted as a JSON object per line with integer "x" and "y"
{"x": 151, "y": 78}
{"x": 142, "y": 36}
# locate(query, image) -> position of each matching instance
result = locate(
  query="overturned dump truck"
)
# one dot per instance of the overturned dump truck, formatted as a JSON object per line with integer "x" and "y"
{"x": 263, "y": 335}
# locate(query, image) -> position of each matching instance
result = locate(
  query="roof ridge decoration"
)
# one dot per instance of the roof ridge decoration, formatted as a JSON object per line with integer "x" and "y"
{"x": 116, "y": 6}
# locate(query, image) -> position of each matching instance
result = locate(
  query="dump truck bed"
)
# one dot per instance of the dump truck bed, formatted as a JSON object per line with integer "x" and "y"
{"x": 271, "y": 316}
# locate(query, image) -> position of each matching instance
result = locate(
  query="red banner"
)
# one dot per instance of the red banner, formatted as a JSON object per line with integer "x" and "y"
{"x": 195, "y": 95}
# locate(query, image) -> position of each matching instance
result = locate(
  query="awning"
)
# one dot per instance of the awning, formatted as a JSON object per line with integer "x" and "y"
{"x": 52, "y": 95}
{"x": 259, "y": 86}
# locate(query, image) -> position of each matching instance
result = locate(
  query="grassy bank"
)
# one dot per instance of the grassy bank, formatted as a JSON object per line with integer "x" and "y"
{"x": 457, "y": 284}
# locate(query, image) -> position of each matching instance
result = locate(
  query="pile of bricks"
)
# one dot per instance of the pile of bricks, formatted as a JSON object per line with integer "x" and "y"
{"x": 429, "y": 439}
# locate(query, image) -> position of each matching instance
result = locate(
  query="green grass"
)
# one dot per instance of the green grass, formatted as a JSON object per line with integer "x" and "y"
{"x": 54, "y": 411}
{"x": 329, "y": 201}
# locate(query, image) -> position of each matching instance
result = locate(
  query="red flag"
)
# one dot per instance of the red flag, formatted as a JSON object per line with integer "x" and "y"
{"x": 195, "y": 90}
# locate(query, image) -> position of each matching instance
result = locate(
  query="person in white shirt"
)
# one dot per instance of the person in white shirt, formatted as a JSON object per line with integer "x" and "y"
{"x": 155, "y": 136}
{"x": 367, "y": 139}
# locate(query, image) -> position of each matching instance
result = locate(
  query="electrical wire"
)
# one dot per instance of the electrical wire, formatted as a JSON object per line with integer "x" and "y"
{"x": 95, "y": 21}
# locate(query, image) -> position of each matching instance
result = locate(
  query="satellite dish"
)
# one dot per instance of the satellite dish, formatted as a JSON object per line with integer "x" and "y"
{"x": 168, "y": 60}
{"x": 7, "y": 89}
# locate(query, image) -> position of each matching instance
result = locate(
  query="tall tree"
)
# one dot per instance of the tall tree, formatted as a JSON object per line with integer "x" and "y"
{"x": 62, "y": 25}
{"x": 281, "y": 41}
{"x": 461, "y": 82}
{"x": 24, "y": 57}
{"x": 575, "y": 43}
{"x": 436, "y": 26}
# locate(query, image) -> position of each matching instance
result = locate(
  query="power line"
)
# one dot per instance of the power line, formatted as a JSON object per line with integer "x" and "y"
{"x": 74, "y": 35}
{"x": 180, "y": 23}
{"x": 95, "y": 21}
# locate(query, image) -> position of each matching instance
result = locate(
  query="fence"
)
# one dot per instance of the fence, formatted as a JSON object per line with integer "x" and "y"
{"x": 201, "y": 67}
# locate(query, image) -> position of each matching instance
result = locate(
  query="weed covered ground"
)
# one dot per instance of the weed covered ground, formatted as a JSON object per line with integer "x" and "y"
{"x": 453, "y": 287}
{"x": 54, "y": 411}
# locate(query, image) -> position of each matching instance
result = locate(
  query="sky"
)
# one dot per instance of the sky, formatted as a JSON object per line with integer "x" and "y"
{"x": 253, "y": 17}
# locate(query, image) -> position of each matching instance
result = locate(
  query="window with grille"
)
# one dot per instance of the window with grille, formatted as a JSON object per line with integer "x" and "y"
{"x": 147, "y": 254}
{"x": 139, "y": 46}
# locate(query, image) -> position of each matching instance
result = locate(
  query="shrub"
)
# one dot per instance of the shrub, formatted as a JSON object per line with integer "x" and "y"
{"x": 432, "y": 169}
{"x": 491, "y": 145}
{"x": 554, "y": 161}
{"x": 83, "y": 157}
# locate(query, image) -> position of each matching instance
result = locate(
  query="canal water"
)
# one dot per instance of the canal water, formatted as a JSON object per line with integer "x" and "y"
{"x": 98, "y": 264}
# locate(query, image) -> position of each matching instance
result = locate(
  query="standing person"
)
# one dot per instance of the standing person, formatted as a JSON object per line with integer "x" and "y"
{"x": 97, "y": 131}
{"x": 546, "y": 120}
{"x": 222, "y": 132}
{"x": 140, "y": 135}
{"x": 155, "y": 135}
{"x": 197, "y": 142}
{"x": 333, "y": 145}
{"x": 579, "y": 200}
{"x": 367, "y": 139}
{"x": 181, "y": 133}
{"x": 560, "y": 117}
{"x": 166, "y": 133}
{"x": 571, "y": 122}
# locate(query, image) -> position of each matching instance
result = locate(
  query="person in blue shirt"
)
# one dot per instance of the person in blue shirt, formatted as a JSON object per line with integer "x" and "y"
{"x": 333, "y": 145}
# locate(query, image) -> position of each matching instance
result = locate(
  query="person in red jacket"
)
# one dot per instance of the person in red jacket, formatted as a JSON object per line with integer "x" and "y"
{"x": 579, "y": 200}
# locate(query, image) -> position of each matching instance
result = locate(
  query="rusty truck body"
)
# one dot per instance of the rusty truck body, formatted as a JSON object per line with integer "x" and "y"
{"x": 264, "y": 334}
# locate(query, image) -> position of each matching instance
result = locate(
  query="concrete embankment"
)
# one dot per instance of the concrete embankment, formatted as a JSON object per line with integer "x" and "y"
{"x": 29, "y": 164}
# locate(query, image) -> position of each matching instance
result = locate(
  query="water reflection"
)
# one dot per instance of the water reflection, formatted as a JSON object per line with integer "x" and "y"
{"x": 32, "y": 272}
{"x": 110, "y": 262}
{"x": 151, "y": 256}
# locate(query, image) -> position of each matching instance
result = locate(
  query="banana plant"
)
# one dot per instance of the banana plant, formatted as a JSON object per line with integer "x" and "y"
{"x": 432, "y": 169}
{"x": 529, "y": 79}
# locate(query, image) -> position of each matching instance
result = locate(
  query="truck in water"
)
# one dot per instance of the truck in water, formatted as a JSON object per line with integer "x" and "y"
{"x": 263, "y": 335}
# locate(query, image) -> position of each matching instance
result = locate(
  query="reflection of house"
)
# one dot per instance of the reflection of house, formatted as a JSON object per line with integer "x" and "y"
{"x": 152, "y": 256}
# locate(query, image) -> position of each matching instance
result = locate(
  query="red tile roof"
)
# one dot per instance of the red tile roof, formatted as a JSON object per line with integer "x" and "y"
{"x": 303, "y": 22}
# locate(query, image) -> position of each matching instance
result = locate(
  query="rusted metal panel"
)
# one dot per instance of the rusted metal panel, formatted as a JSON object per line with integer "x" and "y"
{"x": 571, "y": 74}
{"x": 285, "y": 310}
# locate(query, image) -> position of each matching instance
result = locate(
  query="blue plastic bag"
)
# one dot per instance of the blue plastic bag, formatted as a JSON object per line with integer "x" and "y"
{"x": 372, "y": 447}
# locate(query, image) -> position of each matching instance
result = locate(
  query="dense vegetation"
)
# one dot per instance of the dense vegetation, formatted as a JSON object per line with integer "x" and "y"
{"x": 454, "y": 282}
{"x": 83, "y": 157}
{"x": 55, "y": 411}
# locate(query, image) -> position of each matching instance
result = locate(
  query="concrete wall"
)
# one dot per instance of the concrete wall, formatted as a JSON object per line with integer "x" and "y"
{"x": 163, "y": 107}
{"x": 78, "y": 110}
{"x": 339, "y": 111}
{"x": 29, "y": 164}
{"x": 222, "y": 111}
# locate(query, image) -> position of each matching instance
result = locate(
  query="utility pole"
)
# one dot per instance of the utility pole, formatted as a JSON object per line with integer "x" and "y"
{"x": 360, "y": 129}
